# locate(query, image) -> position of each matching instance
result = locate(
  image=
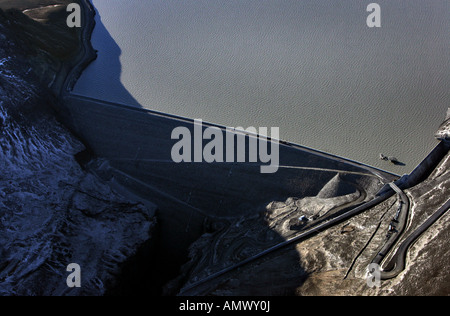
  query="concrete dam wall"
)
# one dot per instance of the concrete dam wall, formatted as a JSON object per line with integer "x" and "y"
{"x": 137, "y": 145}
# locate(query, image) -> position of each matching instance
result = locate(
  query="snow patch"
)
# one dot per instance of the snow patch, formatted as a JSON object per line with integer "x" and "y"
{"x": 3, "y": 61}
{"x": 3, "y": 114}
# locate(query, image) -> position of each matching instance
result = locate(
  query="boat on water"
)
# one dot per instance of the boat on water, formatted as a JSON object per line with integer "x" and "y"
{"x": 392, "y": 159}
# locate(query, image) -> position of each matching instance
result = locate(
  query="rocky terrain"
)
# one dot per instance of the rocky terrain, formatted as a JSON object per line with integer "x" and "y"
{"x": 334, "y": 261}
{"x": 443, "y": 132}
{"x": 53, "y": 211}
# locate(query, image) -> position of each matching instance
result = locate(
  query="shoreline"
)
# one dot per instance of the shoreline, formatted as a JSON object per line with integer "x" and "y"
{"x": 71, "y": 71}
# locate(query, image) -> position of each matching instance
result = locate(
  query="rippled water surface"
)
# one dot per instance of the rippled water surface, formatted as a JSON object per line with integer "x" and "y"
{"x": 312, "y": 68}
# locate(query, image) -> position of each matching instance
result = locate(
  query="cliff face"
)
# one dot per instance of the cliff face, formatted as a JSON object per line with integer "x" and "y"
{"x": 52, "y": 211}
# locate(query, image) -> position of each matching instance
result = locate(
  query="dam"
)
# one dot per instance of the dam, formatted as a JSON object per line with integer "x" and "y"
{"x": 132, "y": 149}
{"x": 136, "y": 146}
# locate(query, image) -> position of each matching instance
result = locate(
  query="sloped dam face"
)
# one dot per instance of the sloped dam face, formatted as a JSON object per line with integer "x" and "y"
{"x": 195, "y": 197}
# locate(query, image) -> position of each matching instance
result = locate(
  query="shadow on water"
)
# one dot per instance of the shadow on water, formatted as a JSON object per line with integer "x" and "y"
{"x": 141, "y": 274}
{"x": 110, "y": 67}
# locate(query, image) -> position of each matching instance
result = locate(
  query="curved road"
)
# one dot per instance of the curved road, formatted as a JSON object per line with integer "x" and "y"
{"x": 395, "y": 266}
{"x": 398, "y": 262}
{"x": 396, "y": 229}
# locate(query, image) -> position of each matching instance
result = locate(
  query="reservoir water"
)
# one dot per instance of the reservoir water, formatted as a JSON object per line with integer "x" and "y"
{"x": 312, "y": 68}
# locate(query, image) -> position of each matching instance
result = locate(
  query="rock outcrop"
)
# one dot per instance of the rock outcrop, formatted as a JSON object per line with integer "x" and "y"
{"x": 443, "y": 132}
{"x": 53, "y": 212}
